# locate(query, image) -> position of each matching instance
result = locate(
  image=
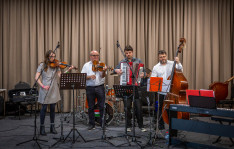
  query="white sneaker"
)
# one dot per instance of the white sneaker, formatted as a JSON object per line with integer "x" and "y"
{"x": 143, "y": 129}
{"x": 129, "y": 130}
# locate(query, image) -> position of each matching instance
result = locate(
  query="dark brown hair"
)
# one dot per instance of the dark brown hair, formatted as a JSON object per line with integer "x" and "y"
{"x": 46, "y": 59}
{"x": 162, "y": 52}
{"x": 128, "y": 48}
{"x": 147, "y": 70}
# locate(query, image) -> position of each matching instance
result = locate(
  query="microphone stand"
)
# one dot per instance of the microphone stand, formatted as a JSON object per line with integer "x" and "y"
{"x": 133, "y": 95}
{"x": 35, "y": 138}
{"x": 58, "y": 45}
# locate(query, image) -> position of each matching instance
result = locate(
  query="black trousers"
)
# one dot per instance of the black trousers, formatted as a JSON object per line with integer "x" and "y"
{"x": 138, "y": 111}
{"x": 43, "y": 113}
{"x": 93, "y": 92}
{"x": 161, "y": 122}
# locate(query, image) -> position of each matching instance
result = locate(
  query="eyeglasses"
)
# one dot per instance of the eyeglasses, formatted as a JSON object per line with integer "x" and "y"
{"x": 52, "y": 56}
{"x": 162, "y": 56}
{"x": 94, "y": 55}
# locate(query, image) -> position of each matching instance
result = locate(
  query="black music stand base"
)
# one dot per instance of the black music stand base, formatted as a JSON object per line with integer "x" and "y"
{"x": 33, "y": 139}
{"x": 61, "y": 139}
{"x": 35, "y": 130}
{"x": 74, "y": 130}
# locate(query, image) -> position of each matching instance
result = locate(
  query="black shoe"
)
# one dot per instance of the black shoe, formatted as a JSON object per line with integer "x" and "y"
{"x": 91, "y": 127}
{"x": 161, "y": 127}
{"x": 52, "y": 129}
{"x": 42, "y": 131}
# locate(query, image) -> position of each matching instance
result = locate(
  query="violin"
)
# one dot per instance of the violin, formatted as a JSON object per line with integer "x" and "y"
{"x": 99, "y": 66}
{"x": 57, "y": 63}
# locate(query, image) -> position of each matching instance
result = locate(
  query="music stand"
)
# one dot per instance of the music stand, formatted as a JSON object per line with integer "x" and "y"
{"x": 124, "y": 92}
{"x": 73, "y": 81}
{"x": 154, "y": 84}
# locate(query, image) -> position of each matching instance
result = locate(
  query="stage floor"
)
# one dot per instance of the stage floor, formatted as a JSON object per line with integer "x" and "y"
{"x": 14, "y": 131}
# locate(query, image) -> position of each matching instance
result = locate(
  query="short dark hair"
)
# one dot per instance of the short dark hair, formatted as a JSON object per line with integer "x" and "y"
{"x": 147, "y": 70}
{"x": 128, "y": 48}
{"x": 162, "y": 52}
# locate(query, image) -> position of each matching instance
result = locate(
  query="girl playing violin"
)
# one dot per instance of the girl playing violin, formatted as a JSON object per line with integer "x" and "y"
{"x": 49, "y": 89}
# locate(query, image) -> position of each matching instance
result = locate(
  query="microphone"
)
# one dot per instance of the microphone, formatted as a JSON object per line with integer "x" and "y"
{"x": 58, "y": 45}
{"x": 117, "y": 44}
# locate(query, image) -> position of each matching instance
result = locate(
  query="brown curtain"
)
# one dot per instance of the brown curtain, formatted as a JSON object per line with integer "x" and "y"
{"x": 28, "y": 28}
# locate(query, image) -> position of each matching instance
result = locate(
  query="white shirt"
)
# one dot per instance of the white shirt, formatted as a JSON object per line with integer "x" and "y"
{"x": 87, "y": 68}
{"x": 164, "y": 71}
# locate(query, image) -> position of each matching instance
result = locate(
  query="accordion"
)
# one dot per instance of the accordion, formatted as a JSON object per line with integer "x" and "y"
{"x": 126, "y": 77}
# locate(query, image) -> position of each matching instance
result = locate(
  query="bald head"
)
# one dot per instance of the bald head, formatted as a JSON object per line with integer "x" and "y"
{"x": 94, "y": 52}
{"x": 94, "y": 55}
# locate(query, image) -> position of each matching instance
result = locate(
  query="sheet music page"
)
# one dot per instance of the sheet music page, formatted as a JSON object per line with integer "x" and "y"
{"x": 166, "y": 86}
{"x": 148, "y": 84}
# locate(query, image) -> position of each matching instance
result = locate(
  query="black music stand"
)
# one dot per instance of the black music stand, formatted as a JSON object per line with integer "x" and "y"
{"x": 73, "y": 81}
{"x": 153, "y": 86}
{"x": 134, "y": 82}
{"x": 124, "y": 92}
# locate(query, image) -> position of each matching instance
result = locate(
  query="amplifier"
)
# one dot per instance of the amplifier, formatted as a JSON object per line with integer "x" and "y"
{"x": 23, "y": 98}
{"x": 21, "y": 95}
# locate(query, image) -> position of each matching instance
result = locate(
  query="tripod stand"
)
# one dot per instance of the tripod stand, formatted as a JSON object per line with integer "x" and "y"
{"x": 35, "y": 138}
{"x": 125, "y": 92}
{"x": 73, "y": 81}
{"x": 81, "y": 116}
{"x": 154, "y": 85}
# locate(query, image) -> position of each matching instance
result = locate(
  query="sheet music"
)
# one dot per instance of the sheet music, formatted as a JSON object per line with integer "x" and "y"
{"x": 166, "y": 86}
{"x": 148, "y": 84}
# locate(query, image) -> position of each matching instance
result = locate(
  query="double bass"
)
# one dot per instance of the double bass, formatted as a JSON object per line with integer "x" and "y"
{"x": 220, "y": 89}
{"x": 179, "y": 84}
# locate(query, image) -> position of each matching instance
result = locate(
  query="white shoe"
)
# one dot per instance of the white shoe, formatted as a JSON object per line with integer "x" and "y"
{"x": 143, "y": 129}
{"x": 129, "y": 130}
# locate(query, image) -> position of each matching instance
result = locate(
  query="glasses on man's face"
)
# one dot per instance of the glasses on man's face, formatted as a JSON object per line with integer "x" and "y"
{"x": 162, "y": 56}
{"x": 94, "y": 55}
{"x": 52, "y": 56}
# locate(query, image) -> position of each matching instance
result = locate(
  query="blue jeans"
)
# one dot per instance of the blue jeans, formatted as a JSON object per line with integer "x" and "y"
{"x": 43, "y": 113}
